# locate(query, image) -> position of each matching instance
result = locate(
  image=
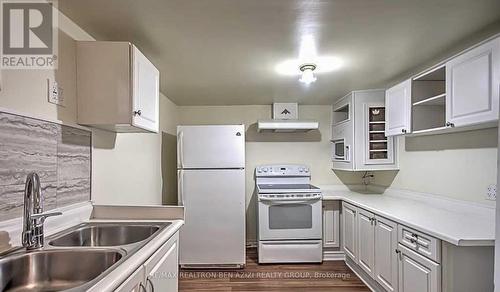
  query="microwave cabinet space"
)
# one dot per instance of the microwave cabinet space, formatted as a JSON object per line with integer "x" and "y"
{"x": 358, "y": 138}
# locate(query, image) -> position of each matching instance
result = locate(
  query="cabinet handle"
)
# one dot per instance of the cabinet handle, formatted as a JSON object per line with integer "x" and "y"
{"x": 137, "y": 113}
{"x": 450, "y": 125}
{"x": 403, "y": 131}
{"x": 148, "y": 280}
{"x": 399, "y": 255}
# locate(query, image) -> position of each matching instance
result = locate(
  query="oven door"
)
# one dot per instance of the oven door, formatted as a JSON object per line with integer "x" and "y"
{"x": 290, "y": 218}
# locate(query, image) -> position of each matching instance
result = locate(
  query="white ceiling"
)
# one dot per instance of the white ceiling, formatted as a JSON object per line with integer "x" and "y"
{"x": 224, "y": 52}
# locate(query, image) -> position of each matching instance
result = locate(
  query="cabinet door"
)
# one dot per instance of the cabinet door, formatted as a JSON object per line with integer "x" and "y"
{"x": 145, "y": 92}
{"x": 349, "y": 235}
{"x": 134, "y": 283}
{"x": 163, "y": 267}
{"x": 417, "y": 273}
{"x": 366, "y": 241}
{"x": 472, "y": 85}
{"x": 386, "y": 260}
{"x": 331, "y": 218}
{"x": 398, "y": 109}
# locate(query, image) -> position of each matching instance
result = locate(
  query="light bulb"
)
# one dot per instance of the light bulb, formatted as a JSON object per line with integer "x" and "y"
{"x": 307, "y": 76}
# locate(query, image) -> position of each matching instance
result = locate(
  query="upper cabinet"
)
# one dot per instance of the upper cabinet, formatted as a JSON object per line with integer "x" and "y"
{"x": 358, "y": 140}
{"x": 117, "y": 87}
{"x": 472, "y": 85}
{"x": 398, "y": 109}
{"x": 460, "y": 94}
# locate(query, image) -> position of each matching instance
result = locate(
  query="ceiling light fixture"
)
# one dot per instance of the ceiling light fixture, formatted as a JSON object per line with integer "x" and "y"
{"x": 307, "y": 73}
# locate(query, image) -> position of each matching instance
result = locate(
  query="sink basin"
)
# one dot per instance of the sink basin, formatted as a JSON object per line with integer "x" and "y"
{"x": 96, "y": 234}
{"x": 54, "y": 270}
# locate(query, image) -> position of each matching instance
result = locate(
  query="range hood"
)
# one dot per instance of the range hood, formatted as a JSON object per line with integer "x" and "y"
{"x": 285, "y": 120}
{"x": 287, "y": 126}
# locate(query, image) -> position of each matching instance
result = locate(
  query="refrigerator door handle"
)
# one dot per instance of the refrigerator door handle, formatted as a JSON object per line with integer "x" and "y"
{"x": 180, "y": 146}
{"x": 180, "y": 186}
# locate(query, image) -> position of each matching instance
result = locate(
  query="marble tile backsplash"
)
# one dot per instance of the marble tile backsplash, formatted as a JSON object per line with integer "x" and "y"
{"x": 61, "y": 156}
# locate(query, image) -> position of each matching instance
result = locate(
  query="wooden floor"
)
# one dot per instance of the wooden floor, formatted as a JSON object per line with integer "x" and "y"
{"x": 329, "y": 276}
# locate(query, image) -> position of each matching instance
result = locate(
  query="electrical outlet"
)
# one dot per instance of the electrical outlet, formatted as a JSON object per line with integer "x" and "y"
{"x": 491, "y": 194}
{"x": 55, "y": 93}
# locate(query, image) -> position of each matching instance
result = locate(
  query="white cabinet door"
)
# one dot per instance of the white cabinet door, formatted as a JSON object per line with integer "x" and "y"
{"x": 331, "y": 225}
{"x": 366, "y": 241}
{"x": 386, "y": 260}
{"x": 472, "y": 85}
{"x": 417, "y": 273}
{"x": 398, "y": 109}
{"x": 145, "y": 92}
{"x": 163, "y": 267}
{"x": 134, "y": 283}
{"x": 349, "y": 234}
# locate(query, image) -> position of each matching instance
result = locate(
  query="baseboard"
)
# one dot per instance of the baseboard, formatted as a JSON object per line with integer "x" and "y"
{"x": 333, "y": 255}
{"x": 369, "y": 282}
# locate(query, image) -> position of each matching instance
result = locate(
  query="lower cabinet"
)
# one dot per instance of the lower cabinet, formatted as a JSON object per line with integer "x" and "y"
{"x": 162, "y": 268}
{"x": 372, "y": 245}
{"x": 386, "y": 258}
{"x": 349, "y": 233}
{"x": 331, "y": 224}
{"x": 417, "y": 273}
{"x": 366, "y": 241}
{"x": 158, "y": 273}
{"x": 393, "y": 257}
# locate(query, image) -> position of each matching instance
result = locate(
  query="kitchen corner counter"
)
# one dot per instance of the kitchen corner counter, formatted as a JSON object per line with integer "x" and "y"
{"x": 460, "y": 224}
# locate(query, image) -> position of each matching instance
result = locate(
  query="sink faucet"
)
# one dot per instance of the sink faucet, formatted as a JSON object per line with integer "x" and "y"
{"x": 34, "y": 217}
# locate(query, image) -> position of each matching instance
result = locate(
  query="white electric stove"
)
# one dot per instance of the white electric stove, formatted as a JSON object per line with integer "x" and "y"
{"x": 289, "y": 215}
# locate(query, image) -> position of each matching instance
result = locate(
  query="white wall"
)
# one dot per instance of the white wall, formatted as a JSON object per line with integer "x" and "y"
{"x": 458, "y": 165}
{"x": 126, "y": 167}
{"x": 311, "y": 148}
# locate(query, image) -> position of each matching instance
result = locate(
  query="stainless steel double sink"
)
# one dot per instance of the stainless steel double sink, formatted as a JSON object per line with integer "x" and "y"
{"x": 75, "y": 259}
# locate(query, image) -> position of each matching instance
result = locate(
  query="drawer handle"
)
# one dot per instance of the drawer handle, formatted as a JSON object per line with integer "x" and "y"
{"x": 137, "y": 113}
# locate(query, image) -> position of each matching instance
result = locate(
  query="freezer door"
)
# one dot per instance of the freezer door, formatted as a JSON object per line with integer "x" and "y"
{"x": 214, "y": 230}
{"x": 211, "y": 146}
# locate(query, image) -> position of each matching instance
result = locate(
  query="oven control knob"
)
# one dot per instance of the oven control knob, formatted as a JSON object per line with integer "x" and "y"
{"x": 259, "y": 170}
{"x": 264, "y": 169}
{"x": 306, "y": 170}
{"x": 301, "y": 169}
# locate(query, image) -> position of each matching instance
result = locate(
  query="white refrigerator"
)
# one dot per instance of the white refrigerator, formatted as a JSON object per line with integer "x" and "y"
{"x": 211, "y": 187}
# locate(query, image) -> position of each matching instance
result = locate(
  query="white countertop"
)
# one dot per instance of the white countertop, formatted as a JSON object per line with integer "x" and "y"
{"x": 460, "y": 224}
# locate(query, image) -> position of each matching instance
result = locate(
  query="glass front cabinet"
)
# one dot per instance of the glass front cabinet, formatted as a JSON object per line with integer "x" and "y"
{"x": 358, "y": 120}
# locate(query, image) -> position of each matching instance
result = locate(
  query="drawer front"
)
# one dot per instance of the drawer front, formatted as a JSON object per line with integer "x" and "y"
{"x": 419, "y": 242}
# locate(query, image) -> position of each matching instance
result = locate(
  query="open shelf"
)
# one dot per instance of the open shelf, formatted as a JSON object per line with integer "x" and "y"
{"x": 435, "y": 100}
{"x": 377, "y": 141}
{"x": 341, "y": 114}
{"x": 436, "y": 74}
{"x": 429, "y": 100}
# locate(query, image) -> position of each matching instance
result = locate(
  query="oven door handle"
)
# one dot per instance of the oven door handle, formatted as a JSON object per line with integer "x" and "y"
{"x": 288, "y": 201}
